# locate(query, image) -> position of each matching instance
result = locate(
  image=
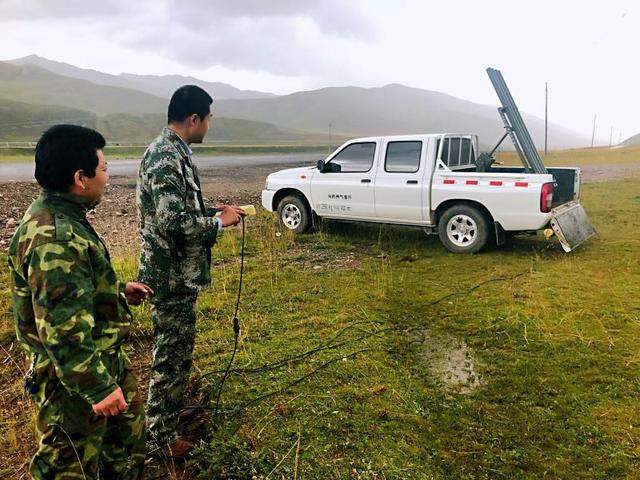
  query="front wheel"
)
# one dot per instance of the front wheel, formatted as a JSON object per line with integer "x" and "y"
{"x": 463, "y": 229}
{"x": 294, "y": 214}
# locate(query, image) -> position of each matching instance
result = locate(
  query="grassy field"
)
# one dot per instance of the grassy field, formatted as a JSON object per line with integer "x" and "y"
{"x": 9, "y": 155}
{"x": 581, "y": 156}
{"x": 389, "y": 358}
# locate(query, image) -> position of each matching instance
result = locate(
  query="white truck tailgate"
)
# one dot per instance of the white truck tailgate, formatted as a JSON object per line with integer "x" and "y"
{"x": 571, "y": 225}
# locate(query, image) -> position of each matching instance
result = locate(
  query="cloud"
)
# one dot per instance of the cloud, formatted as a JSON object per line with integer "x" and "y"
{"x": 279, "y": 37}
{"x": 12, "y": 10}
{"x": 339, "y": 18}
{"x": 285, "y": 37}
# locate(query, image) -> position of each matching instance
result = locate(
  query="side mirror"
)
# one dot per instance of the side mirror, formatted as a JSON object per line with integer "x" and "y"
{"x": 320, "y": 165}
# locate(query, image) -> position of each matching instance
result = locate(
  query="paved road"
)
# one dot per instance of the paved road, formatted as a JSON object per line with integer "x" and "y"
{"x": 129, "y": 167}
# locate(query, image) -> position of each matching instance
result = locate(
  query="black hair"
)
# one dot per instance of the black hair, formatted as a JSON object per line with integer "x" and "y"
{"x": 186, "y": 101}
{"x": 64, "y": 149}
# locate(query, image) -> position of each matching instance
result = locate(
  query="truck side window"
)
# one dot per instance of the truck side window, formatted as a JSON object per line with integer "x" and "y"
{"x": 357, "y": 157}
{"x": 454, "y": 152}
{"x": 458, "y": 152}
{"x": 466, "y": 152}
{"x": 403, "y": 157}
{"x": 445, "y": 152}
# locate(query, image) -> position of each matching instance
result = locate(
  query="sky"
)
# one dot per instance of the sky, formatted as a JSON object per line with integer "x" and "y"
{"x": 584, "y": 50}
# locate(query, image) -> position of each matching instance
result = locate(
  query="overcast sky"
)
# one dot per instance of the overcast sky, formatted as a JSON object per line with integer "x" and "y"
{"x": 585, "y": 50}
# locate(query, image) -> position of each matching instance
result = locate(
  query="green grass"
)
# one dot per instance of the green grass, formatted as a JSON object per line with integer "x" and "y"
{"x": 557, "y": 352}
{"x": 581, "y": 156}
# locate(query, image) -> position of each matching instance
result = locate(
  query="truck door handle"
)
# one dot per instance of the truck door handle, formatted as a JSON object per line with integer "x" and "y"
{"x": 412, "y": 182}
{"x": 365, "y": 180}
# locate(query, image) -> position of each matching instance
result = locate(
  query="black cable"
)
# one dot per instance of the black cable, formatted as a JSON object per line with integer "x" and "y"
{"x": 236, "y": 327}
{"x": 327, "y": 346}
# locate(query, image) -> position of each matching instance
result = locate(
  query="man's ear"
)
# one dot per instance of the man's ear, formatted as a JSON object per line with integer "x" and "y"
{"x": 78, "y": 179}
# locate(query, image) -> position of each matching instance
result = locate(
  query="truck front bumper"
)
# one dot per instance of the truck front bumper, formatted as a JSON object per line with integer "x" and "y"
{"x": 267, "y": 199}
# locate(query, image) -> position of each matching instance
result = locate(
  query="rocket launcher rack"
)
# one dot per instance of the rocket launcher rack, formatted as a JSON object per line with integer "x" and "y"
{"x": 515, "y": 126}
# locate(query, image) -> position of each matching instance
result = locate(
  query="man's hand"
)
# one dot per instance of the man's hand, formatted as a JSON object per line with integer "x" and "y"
{"x": 111, "y": 405}
{"x": 230, "y": 215}
{"x": 137, "y": 292}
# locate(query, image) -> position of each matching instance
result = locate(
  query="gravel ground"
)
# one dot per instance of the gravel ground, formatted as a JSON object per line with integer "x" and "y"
{"x": 116, "y": 219}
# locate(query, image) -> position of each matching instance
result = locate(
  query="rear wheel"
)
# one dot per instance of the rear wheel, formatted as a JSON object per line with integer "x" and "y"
{"x": 294, "y": 214}
{"x": 463, "y": 229}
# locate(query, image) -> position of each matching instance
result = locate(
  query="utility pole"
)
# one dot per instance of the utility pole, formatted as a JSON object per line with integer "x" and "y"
{"x": 546, "y": 117}
{"x": 593, "y": 132}
{"x": 610, "y": 137}
{"x": 330, "y": 144}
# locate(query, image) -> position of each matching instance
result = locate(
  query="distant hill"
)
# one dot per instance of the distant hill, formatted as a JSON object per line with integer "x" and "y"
{"x": 131, "y": 128}
{"x": 631, "y": 141}
{"x": 36, "y": 85}
{"x": 351, "y": 111}
{"x": 21, "y": 121}
{"x": 159, "y": 85}
{"x": 393, "y": 109}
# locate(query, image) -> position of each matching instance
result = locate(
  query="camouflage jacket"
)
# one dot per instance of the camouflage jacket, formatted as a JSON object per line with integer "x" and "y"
{"x": 70, "y": 311}
{"x": 177, "y": 235}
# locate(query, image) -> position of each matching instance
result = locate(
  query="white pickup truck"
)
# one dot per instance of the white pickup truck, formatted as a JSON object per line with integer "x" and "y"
{"x": 438, "y": 182}
{"x": 421, "y": 180}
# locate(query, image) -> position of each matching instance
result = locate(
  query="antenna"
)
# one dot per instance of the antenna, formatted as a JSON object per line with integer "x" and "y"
{"x": 515, "y": 126}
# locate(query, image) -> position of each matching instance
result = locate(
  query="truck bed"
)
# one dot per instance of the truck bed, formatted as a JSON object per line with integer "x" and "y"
{"x": 567, "y": 181}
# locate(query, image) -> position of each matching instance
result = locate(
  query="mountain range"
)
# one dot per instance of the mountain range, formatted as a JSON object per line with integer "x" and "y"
{"x": 134, "y": 105}
{"x": 159, "y": 85}
{"x": 633, "y": 141}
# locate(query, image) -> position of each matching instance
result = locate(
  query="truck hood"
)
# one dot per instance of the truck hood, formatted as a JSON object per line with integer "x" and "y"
{"x": 289, "y": 173}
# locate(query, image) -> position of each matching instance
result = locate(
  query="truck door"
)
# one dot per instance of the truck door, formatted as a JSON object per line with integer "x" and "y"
{"x": 399, "y": 182}
{"x": 349, "y": 192}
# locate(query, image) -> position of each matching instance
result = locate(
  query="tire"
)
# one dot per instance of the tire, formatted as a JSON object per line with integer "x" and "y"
{"x": 294, "y": 214}
{"x": 464, "y": 229}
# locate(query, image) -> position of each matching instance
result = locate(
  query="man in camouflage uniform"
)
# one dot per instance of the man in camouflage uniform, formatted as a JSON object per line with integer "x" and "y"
{"x": 72, "y": 316}
{"x": 175, "y": 260}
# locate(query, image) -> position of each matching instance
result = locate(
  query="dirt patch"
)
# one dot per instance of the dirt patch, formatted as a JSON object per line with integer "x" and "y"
{"x": 449, "y": 359}
{"x": 115, "y": 219}
{"x": 320, "y": 259}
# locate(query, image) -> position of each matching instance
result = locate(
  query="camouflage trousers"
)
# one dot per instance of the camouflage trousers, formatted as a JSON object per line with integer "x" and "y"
{"x": 74, "y": 443}
{"x": 174, "y": 329}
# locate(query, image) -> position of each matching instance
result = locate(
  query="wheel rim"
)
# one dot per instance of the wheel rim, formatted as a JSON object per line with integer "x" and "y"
{"x": 462, "y": 230}
{"x": 291, "y": 216}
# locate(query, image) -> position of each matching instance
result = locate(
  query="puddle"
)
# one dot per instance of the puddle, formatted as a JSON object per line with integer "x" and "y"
{"x": 449, "y": 359}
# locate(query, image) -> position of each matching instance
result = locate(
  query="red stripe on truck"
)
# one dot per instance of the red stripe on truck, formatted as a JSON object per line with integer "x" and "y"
{"x": 522, "y": 184}
{"x": 472, "y": 182}
{"x": 495, "y": 183}
{"x": 449, "y": 182}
